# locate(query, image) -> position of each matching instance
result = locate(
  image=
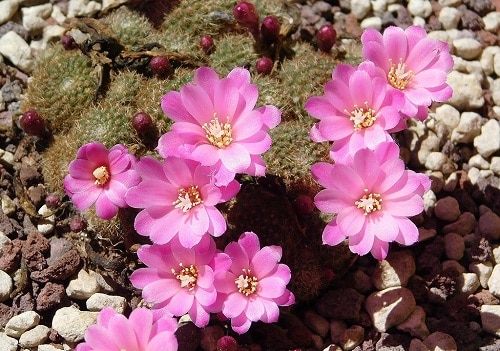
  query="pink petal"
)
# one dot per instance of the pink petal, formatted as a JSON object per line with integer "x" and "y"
{"x": 351, "y": 220}
{"x": 181, "y": 302}
{"x": 332, "y": 201}
{"x": 73, "y": 185}
{"x": 404, "y": 208}
{"x": 271, "y": 287}
{"x": 322, "y": 173}
{"x": 197, "y": 102}
{"x": 408, "y": 232}
{"x": 234, "y": 305}
{"x": 380, "y": 249}
{"x": 217, "y": 225}
{"x": 95, "y": 153}
{"x": 240, "y": 324}
{"x": 240, "y": 76}
{"x": 238, "y": 256}
{"x": 165, "y": 341}
{"x": 271, "y": 115}
{"x": 264, "y": 261}
{"x": 395, "y": 42}
{"x": 151, "y": 192}
{"x": 271, "y": 311}
{"x": 382, "y": 225}
{"x": 123, "y": 333}
{"x": 173, "y": 107}
{"x": 225, "y": 282}
{"x": 362, "y": 243}
{"x": 82, "y": 201}
{"x": 82, "y": 169}
{"x": 332, "y": 235}
{"x": 100, "y": 339}
{"x": 226, "y": 98}
{"x": 207, "y": 79}
{"x": 161, "y": 290}
{"x": 235, "y": 158}
{"x": 249, "y": 241}
{"x": 255, "y": 309}
{"x": 143, "y": 276}
{"x": 199, "y": 315}
{"x": 206, "y": 154}
{"x": 246, "y": 126}
{"x": 257, "y": 144}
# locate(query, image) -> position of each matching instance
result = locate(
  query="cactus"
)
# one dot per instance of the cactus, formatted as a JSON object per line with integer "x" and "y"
{"x": 80, "y": 108}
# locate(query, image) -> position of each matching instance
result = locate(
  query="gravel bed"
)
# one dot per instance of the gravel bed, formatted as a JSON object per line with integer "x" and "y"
{"x": 441, "y": 294}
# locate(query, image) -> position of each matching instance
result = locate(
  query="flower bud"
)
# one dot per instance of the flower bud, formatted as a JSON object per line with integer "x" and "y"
{"x": 68, "y": 42}
{"x": 160, "y": 65}
{"x": 326, "y": 37}
{"x": 207, "y": 43}
{"x": 32, "y": 123}
{"x": 270, "y": 29}
{"x": 52, "y": 200}
{"x": 264, "y": 65}
{"x": 246, "y": 15}
{"x": 227, "y": 343}
{"x": 142, "y": 123}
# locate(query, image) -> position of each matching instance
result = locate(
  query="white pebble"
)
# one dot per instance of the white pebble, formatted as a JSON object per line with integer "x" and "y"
{"x": 72, "y": 323}
{"x": 98, "y": 301}
{"x": 494, "y": 281}
{"x": 488, "y": 58}
{"x": 483, "y": 270}
{"x": 449, "y": 17}
{"x": 492, "y": 21}
{"x": 468, "y": 128}
{"x": 468, "y": 282}
{"x": 495, "y": 165}
{"x": 467, "y": 48}
{"x": 8, "y": 9}
{"x": 46, "y": 224}
{"x": 360, "y": 8}
{"x": 372, "y": 22}
{"x": 467, "y": 91}
{"x": 488, "y": 142}
{"x": 7, "y": 343}
{"x": 15, "y": 48}
{"x": 83, "y": 286}
{"x": 34, "y": 17}
{"x": 490, "y": 319}
{"x": 17, "y": 325}
{"x": 34, "y": 337}
{"x": 420, "y": 8}
{"x": 479, "y": 162}
{"x": 6, "y": 286}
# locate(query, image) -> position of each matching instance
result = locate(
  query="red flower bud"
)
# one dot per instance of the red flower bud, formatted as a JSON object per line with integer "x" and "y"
{"x": 32, "y": 123}
{"x": 264, "y": 65}
{"x": 326, "y": 37}
{"x": 270, "y": 29}
{"x": 246, "y": 15}
{"x": 160, "y": 65}
{"x": 206, "y": 43}
{"x": 142, "y": 122}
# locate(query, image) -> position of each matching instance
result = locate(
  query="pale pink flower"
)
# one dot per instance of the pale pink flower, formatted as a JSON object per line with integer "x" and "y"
{"x": 101, "y": 177}
{"x": 114, "y": 332}
{"x": 413, "y": 63}
{"x": 372, "y": 197}
{"x": 216, "y": 123}
{"x": 255, "y": 285}
{"x": 178, "y": 280}
{"x": 178, "y": 198}
{"x": 357, "y": 111}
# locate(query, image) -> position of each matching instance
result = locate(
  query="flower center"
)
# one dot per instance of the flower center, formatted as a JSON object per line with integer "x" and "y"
{"x": 188, "y": 198}
{"x": 362, "y": 117}
{"x": 398, "y": 77}
{"x": 369, "y": 202}
{"x": 218, "y": 134}
{"x": 246, "y": 283}
{"x": 187, "y": 276}
{"x": 101, "y": 175}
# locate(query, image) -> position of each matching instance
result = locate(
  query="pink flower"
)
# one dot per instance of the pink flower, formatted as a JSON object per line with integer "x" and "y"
{"x": 255, "y": 284}
{"x": 413, "y": 63}
{"x": 357, "y": 110}
{"x": 101, "y": 177}
{"x": 372, "y": 196}
{"x": 180, "y": 280}
{"x": 216, "y": 123}
{"x": 178, "y": 197}
{"x": 114, "y": 332}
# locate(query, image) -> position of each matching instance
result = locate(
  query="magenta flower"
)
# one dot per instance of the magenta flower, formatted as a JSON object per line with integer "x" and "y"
{"x": 178, "y": 198}
{"x": 413, "y": 64}
{"x": 114, "y": 332}
{"x": 216, "y": 124}
{"x": 101, "y": 177}
{"x": 255, "y": 284}
{"x": 357, "y": 110}
{"x": 373, "y": 196}
{"x": 179, "y": 280}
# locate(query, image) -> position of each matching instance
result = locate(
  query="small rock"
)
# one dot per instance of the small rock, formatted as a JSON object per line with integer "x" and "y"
{"x": 395, "y": 270}
{"x": 467, "y": 48}
{"x": 448, "y": 116}
{"x": 17, "y": 325}
{"x": 6, "y": 286}
{"x": 352, "y": 337}
{"x": 454, "y": 246}
{"x": 83, "y": 8}
{"x": 468, "y": 128}
{"x": 48, "y": 347}
{"x": 46, "y": 224}
{"x": 492, "y": 21}
{"x": 34, "y": 17}
{"x": 490, "y": 319}
{"x": 372, "y": 22}
{"x": 72, "y": 323}
{"x": 488, "y": 142}
{"x": 447, "y": 209}
{"x": 15, "y": 48}
{"x": 478, "y": 161}
{"x": 6, "y": 342}
{"x": 337, "y": 328}
{"x": 8, "y": 8}
{"x": 495, "y": 90}
{"x": 60, "y": 270}
{"x": 495, "y": 165}
{"x": 343, "y": 303}
{"x": 50, "y": 296}
{"x": 464, "y": 225}
{"x": 417, "y": 345}
{"x": 489, "y": 225}
{"x": 83, "y": 286}
{"x": 468, "y": 283}
{"x": 449, "y": 17}
{"x": 360, "y": 8}
{"x": 487, "y": 59}
{"x": 439, "y": 341}
{"x": 389, "y": 307}
{"x": 437, "y": 161}
{"x": 467, "y": 92}
{"x": 34, "y": 337}
{"x": 8, "y": 206}
{"x": 34, "y": 249}
{"x": 11, "y": 254}
{"x": 494, "y": 281}
{"x": 98, "y": 301}
{"x": 316, "y": 323}
{"x": 420, "y": 8}
{"x": 415, "y": 324}
{"x": 483, "y": 270}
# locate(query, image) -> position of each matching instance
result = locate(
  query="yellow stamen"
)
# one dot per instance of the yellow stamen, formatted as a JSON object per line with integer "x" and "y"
{"x": 187, "y": 276}
{"x": 369, "y": 202}
{"x": 101, "y": 175}
{"x": 188, "y": 198}
{"x": 398, "y": 77}
{"x": 218, "y": 134}
{"x": 362, "y": 117}
{"x": 247, "y": 284}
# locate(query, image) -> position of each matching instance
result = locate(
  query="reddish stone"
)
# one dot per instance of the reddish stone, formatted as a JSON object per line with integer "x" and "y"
{"x": 11, "y": 254}
{"x": 61, "y": 270}
{"x": 51, "y": 295}
{"x": 34, "y": 250}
